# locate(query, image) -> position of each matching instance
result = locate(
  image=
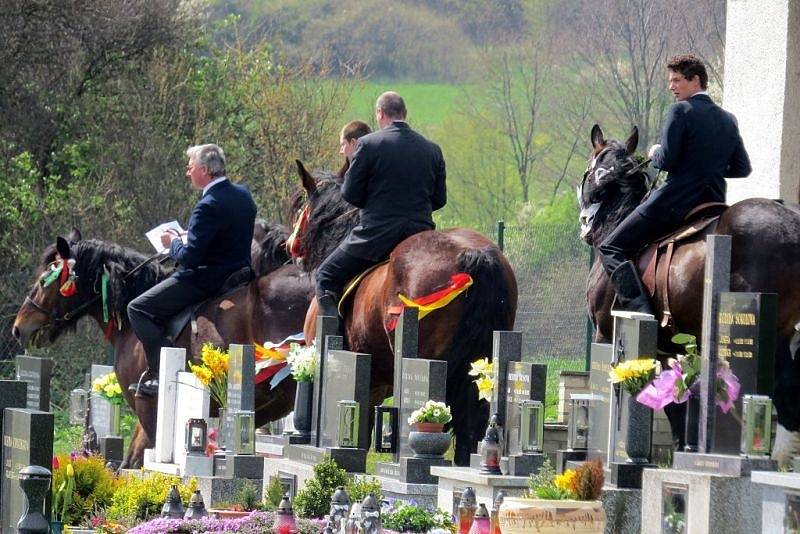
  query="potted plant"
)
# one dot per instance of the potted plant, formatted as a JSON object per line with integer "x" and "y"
{"x": 568, "y": 502}
{"x": 428, "y": 440}
{"x": 303, "y": 362}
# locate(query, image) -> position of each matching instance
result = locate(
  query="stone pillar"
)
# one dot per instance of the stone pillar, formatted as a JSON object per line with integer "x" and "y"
{"x": 762, "y": 88}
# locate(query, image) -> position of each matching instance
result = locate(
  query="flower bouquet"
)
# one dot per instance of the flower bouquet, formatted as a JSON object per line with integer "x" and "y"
{"x": 108, "y": 386}
{"x": 303, "y": 361}
{"x": 483, "y": 369}
{"x": 633, "y": 375}
{"x": 213, "y": 372}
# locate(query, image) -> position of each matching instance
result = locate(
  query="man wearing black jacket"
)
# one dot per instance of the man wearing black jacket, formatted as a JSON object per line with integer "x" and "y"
{"x": 700, "y": 146}
{"x": 397, "y": 178}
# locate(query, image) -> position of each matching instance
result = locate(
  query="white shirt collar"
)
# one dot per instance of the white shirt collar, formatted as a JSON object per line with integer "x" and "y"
{"x": 214, "y": 182}
{"x": 700, "y": 93}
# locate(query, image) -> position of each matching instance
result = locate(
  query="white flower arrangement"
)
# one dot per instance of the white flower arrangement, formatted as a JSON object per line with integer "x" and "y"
{"x": 303, "y": 361}
{"x": 432, "y": 412}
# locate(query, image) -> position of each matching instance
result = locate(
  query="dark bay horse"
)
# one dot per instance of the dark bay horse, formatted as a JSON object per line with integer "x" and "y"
{"x": 270, "y": 307}
{"x": 765, "y": 258}
{"x": 459, "y": 333}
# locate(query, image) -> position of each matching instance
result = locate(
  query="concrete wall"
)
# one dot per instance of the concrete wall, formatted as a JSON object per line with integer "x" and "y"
{"x": 762, "y": 88}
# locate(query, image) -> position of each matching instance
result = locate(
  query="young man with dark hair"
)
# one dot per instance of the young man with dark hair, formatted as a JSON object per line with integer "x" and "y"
{"x": 352, "y": 132}
{"x": 700, "y": 146}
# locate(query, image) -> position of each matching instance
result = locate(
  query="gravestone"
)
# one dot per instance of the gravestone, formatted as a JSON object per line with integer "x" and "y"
{"x": 422, "y": 380}
{"x": 100, "y": 412}
{"x": 171, "y": 362}
{"x": 241, "y": 382}
{"x": 346, "y": 377}
{"x": 27, "y": 440}
{"x": 36, "y": 372}
{"x": 13, "y": 394}
{"x": 506, "y": 348}
{"x": 525, "y": 381}
{"x": 600, "y": 406}
{"x": 406, "y": 346}
{"x": 326, "y": 338}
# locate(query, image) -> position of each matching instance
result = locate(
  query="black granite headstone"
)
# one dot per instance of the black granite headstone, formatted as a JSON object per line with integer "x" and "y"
{"x": 526, "y": 381}
{"x": 406, "y": 346}
{"x": 506, "y": 348}
{"x": 326, "y": 338}
{"x": 13, "y": 394}
{"x": 100, "y": 415}
{"x": 600, "y": 406}
{"x": 747, "y": 324}
{"x": 27, "y": 440}
{"x": 36, "y": 372}
{"x": 422, "y": 380}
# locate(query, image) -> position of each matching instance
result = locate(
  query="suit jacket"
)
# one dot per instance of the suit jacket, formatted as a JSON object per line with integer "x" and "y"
{"x": 397, "y": 178}
{"x": 700, "y": 146}
{"x": 219, "y": 235}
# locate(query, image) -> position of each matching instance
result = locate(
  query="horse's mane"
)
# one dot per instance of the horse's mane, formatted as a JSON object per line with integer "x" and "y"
{"x": 92, "y": 255}
{"x": 331, "y": 219}
{"x": 269, "y": 247}
{"x": 621, "y": 197}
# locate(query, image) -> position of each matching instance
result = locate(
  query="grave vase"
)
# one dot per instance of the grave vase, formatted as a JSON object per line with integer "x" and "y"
{"x": 222, "y": 429}
{"x": 518, "y": 515}
{"x": 302, "y": 408}
{"x": 429, "y": 444}
{"x": 56, "y": 527}
{"x": 637, "y": 445}
{"x": 114, "y": 411}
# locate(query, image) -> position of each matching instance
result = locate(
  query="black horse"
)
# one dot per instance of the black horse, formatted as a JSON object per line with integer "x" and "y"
{"x": 765, "y": 258}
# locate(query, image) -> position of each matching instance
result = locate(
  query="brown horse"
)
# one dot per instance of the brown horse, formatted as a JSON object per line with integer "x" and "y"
{"x": 459, "y": 333}
{"x": 270, "y": 307}
{"x": 765, "y": 258}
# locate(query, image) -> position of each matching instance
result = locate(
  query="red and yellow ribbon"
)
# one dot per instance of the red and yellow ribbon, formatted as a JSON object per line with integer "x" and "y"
{"x": 459, "y": 283}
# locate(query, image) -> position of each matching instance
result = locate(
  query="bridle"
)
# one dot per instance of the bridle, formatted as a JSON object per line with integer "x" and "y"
{"x": 52, "y": 316}
{"x": 294, "y": 245}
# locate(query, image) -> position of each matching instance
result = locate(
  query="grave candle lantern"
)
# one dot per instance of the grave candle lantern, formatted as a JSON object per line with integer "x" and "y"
{"x": 531, "y": 426}
{"x": 386, "y": 420}
{"x": 756, "y": 425}
{"x": 348, "y": 424}
{"x": 284, "y": 518}
{"x": 244, "y": 432}
{"x": 78, "y": 402}
{"x": 490, "y": 450}
{"x": 494, "y": 515}
{"x": 578, "y": 428}
{"x": 480, "y": 525}
{"x": 466, "y": 510}
{"x": 196, "y": 436}
{"x": 340, "y": 504}
{"x": 197, "y": 508}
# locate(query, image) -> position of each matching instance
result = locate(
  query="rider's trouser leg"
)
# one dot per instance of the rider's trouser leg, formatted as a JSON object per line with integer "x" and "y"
{"x": 616, "y": 250}
{"x": 333, "y": 274}
{"x": 150, "y": 312}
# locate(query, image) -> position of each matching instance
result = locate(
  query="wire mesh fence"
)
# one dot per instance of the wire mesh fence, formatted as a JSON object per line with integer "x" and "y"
{"x": 551, "y": 265}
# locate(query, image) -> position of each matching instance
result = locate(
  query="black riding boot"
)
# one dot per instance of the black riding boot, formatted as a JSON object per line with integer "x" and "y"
{"x": 630, "y": 292}
{"x": 328, "y": 304}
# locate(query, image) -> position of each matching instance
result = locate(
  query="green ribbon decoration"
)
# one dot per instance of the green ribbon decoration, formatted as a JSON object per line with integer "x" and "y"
{"x": 104, "y": 292}
{"x": 52, "y": 276}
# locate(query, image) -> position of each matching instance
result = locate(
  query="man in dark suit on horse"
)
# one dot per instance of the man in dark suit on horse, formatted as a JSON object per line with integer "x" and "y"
{"x": 218, "y": 245}
{"x": 397, "y": 178}
{"x": 700, "y": 146}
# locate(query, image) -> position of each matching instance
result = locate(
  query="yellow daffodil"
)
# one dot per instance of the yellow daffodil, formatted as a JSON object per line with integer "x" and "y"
{"x": 481, "y": 367}
{"x": 485, "y": 386}
{"x": 70, "y": 470}
{"x": 566, "y": 480}
{"x": 633, "y": 375}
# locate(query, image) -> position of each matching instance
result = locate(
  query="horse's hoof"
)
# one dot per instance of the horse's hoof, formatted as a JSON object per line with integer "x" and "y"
{"x": 787, "y": 446}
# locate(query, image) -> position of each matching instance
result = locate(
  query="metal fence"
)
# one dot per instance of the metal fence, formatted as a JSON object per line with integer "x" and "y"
{"x": 551, "y": 265}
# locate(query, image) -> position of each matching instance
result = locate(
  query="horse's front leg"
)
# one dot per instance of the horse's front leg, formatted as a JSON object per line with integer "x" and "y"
{"x": 139, "y": 442}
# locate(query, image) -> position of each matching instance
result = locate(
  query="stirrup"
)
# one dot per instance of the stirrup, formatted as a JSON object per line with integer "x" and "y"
{"x": 135, "y": 389}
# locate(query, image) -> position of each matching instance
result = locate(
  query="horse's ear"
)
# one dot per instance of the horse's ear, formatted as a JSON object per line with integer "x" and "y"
{"x": 63, "y": 248}
{"x": 74, "y": 236}
{"x": 309, "y": 184}
{"x": 597, "y": 136}
{"x": 633, "y": 140}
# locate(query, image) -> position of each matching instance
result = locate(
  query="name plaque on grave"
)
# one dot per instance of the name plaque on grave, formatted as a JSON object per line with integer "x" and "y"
{"x": 100, "y": 406}
{"x": 746, "y": 340}
{"x": 422, "y": 380}
{"x": 36, "y": 372}
{"x": 241, "y": 384}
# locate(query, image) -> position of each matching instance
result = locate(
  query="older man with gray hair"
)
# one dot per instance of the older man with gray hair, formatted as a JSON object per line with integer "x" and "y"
{"x": 397, "y": 178}
{"x": 218, "y": 245}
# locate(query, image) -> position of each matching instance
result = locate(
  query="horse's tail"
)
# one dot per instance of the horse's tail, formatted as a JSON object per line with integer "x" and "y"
{"x": 488, "y": 306}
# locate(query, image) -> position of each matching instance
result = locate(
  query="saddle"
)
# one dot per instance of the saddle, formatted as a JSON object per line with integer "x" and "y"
{"x": 179, "y": 321}
{"x": 654, "y": 274}
{"x": 350, "y": 288}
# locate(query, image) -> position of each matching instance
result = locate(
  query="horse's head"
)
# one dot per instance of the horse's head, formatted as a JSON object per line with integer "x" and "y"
{"x": 268, "y": 248}
{"x": 612, "y": 185}
{"x": 323, "y": 217}
{"x": 44, "y": 312}
{"x": 75, "y": 278}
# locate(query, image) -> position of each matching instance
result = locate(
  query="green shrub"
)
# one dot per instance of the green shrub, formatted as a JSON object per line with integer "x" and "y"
{"x": 359, "y": 488}
{"x": 410, "y": 518}
{"x": 139, "y": 498}
{"x": 93, "y": 489}
{"x": 247, "y": 496}
{"x": 274, "y": 493}
{"x": 314, "y": 499}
